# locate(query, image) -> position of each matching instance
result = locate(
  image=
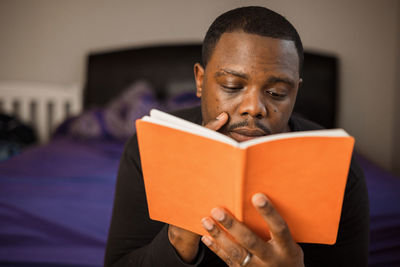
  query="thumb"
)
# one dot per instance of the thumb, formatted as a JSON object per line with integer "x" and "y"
{"x": 218, "y": 122}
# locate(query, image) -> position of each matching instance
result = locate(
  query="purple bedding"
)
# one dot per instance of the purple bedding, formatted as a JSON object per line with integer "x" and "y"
{"x": 384, "y": 198}
{"x": 56, "y": 201}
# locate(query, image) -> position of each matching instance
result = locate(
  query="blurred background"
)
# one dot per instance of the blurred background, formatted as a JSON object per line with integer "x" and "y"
{"x": 44, "y": 52}
{"x": 47, "y": 41}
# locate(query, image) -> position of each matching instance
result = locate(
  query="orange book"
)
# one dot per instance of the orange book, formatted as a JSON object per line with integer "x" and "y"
{"x": 189, "y": 169}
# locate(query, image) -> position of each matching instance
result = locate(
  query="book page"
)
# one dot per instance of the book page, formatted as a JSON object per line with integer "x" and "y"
{"x": 320, "y": 133}
{"x": 167, "y": 120}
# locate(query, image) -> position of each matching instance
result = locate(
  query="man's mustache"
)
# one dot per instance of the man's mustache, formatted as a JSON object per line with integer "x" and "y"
{"x": 246, "y": 123}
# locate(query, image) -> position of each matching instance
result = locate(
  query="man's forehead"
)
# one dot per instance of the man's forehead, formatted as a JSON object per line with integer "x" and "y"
{"x": 244, "y": 52}
{"x": 252, "y": 44}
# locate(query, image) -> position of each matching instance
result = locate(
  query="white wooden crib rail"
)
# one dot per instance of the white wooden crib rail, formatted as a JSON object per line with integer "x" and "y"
{"x": 42, "y": 105}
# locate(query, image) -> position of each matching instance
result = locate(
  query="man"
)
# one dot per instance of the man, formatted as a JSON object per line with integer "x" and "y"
{"x": 252, "y": 60}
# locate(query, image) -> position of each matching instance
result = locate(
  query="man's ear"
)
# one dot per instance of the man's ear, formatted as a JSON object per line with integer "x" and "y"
{"x": 300, "y": 82}
{"x": 199, "y": 77}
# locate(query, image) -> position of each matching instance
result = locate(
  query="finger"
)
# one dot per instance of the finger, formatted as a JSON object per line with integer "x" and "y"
{"x": 222, "y": 245}
{"x": 177, "y": 233}
{"x": 214, "y": 247}
{"x": 242, "y": 234}
{"x": 279, "y": 229}
{"x": 218, "y": 122}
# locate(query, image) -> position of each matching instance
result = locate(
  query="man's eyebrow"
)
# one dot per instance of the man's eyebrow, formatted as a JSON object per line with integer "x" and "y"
{"x": 223, "y": 72}
{"x": 271, "y": 80}
{"x": 278, "y": 79}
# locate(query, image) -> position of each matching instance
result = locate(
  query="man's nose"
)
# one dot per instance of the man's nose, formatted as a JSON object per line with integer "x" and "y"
{"x": 252, "y": 104}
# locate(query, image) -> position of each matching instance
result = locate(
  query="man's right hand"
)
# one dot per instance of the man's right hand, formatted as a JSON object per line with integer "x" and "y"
{"x": 185, "y": 242}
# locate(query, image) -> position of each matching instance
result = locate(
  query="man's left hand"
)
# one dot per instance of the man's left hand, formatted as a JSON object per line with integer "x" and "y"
{"x": 237, "y": 245}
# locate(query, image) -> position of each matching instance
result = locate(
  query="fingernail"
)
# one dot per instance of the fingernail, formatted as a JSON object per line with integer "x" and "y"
{"x": 206, "y": 240}
{"x": 259, "y": 200}
{"x": 220, "y": 116}
{"x": 218, "y": 214}
{"x": 207, "y": 223}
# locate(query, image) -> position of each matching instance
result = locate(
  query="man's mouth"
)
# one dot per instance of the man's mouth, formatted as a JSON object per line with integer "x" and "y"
{"x": 244, "y": 133}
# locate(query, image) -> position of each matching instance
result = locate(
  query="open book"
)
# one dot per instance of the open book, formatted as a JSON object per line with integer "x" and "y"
{"x": 189, "y": 169}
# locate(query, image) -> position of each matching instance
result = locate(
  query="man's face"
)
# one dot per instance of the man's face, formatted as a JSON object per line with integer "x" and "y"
{"x": 252, "y": 78}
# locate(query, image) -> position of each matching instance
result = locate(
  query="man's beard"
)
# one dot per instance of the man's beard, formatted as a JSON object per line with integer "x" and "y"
{"x": 230, "y": 127}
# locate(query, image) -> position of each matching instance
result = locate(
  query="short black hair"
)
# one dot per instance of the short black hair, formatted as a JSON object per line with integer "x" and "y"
{"x": 254, "y": 20}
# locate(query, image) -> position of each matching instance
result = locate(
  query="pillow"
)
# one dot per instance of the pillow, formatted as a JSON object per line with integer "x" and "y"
{"x": 182, "y": 94}
{"x": 89, "y": 125}
{"x": 182, "y": 100}
{"x": 133, "y": 103}
{"x": 117, "y": 119}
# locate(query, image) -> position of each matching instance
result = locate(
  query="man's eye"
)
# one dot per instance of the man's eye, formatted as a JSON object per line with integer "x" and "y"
{"x": 276, "y": 95}
{"x": 232, "y": 87}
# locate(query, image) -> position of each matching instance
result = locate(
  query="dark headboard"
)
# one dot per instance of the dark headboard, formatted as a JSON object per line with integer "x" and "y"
{"x": 111, "y": 72}
{"x": 317, "y": 97}
{"x": 108, "y": 73}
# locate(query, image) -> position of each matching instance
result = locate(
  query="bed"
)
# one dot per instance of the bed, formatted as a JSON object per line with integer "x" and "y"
{"x": 56, "y": 198}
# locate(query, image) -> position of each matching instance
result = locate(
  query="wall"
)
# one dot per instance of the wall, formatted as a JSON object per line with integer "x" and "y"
{"x": 46, "y": 40}
{"x": 396, "y": 124}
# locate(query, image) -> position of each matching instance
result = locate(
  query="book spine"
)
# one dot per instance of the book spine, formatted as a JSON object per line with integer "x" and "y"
{"x": 240, "y": 186}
